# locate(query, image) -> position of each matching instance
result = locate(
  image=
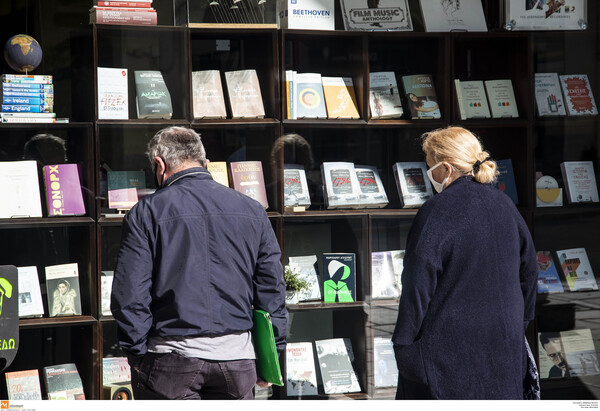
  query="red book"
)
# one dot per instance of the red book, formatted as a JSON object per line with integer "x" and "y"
{"x": 134, "y": 4}
{"x": 247, "y": 177}
{"x": 115, "y": 15}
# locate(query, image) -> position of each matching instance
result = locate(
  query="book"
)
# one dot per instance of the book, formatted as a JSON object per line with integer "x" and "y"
{"x": 414, "y": 187}
{"x": 26, "y": 108}
{"x": 267, "y": 359}
{"x": 295, "y": 186}
{"x": 548, "y": 95}
{"x": 63, "y": 190}
{"x": 577, "y": 269}
{"x": 309, "y": 100}
{"x": 384, "y": 363}
{"x": 548, "y": 280}
{"x": 340, "y": 99}
{"x": 341, "y": 188}
{"x": 116, "y": 15}
{"x": 552, "y": 361}
{"x": 421, "y": 98}
{"x": 23, "y": 385}
{"x": 398, "y": 264}
{"x": 26, "y": 78}
{"x": 129, "y": 3}
{"x": 63, "y": 382}
{"x": 20, "y": 189}
{"x": 372, "y": 193}
{"x": 115, "y": 370}
{"x": 506, "y": 179}
{"x": 384, "y": 96}
{"x": 207, "y": 95}
{"x": 30, "y": 293}
{"x": 27, "y": 120}
{"x": 153, "y": 99}
{"x": 27, "y": 92}
{"x": 501, "y": 97}
{"x": 62, "y": 283}
{"x": 20, "y": 115}
{"x": 27, "y": 86}
{"x": 301, "y": 376}
{"x": 383, "y": 277}
{"x": 578, "y": 94}
{"x": 382, "y": 15}
{"x": 339, "y": 279}
{"x": 580, "y": 181}
{"x": 123, "y": 188}
{"x": 218, "y": 171}
{"x": 289, "y": 94}
{"x": 106, "y": 280}
{"x": 113, "y": 98}
{"x": 307, "y": 269}
{"x": 243, "y": 91}
{"x": 337, "y": 374}
{"x": 45, "y": 101}
{"x": 443, "y": 16}
{"x": 580, "y": 352}
{"x": 248, "y": 179}
{"x": 472, "y": 100}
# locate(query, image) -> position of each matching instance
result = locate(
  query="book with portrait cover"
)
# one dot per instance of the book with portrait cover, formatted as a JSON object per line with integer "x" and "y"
{"x": 506, "y": 179}
{"x": 341, "y": 188}
{"x": 30, "y": 294}
{"x": 20, "y": 189}
{"x": 63, "y": 190}
{"x": 218, "y": 171}
{"x": 414, "y": 187}
{"x": 307, "y": 269}
{"x": 301, "y": 376}
{"x": 295, "y": 186}
{"x": 548, "y": 280}
{"x": 548, "y": 95}
{"x": 578, "y": 95}
{"x": 309, "y": 100}
{"x": 501, "y": 97}
{"x": 372, "y": 193}
{"x": 340, "y": 99}
{"x": 453, "y": 15}
{"x": 384, "y": 363}
{"x": 580, "y": 181}
{"x": 383, "y": 278}
{"x": 384, "y": 96}
{"x": 421, "y": 98}
{"x": 62, "y": 285}
{"x": 153, "y": 99}
{"x": 551, "y": 359}
{"x": 63, "y": 382}
{"x": 23, "y": 385}
{"x": 243, "y": 90}
{"x": 580, "y": 352}
{"x": 337, "y": 374}
{"x": 207, "y": 92}
{"x": 339, "y": 278}
{"x": 248, "y": 179}
{"x": 577, "y": 269}
{"x": 113, "y": 97}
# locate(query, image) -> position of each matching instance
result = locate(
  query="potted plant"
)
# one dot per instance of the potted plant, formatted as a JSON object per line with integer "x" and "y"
{"x": 293, "y": 284}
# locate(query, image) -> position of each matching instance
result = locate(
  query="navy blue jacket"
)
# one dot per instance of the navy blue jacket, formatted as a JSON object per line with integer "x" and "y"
{"x": 195, "y": 257}
{"x": 468, "y": 292}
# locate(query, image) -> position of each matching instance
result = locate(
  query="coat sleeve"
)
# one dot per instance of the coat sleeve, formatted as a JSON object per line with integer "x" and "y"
{"x": 528, "y": 272}
{"x": 131, "y": 288}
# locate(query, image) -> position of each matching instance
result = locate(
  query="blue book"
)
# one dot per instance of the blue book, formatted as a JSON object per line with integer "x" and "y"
{"x": 39, "y": 93}
{"x": 548, "y": 280}
{"x": 506, "y": 179}
{"x": 26, "y": 108}
{"x": 24, "y": 86}
{"x": 28, "y": 100}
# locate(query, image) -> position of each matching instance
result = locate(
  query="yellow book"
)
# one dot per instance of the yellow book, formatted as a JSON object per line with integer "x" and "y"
{"x": 340, "y": 99}
{"x": 218, "y": 170}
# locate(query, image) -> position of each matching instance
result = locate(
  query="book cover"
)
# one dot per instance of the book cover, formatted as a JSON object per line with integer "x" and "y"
{"x": 115, "y": 370}
{"x": 421, "y": 98}
{"x": 307, "y": 269}
{"x": 289, "y": 94}
{"x": 473, "y": 99}
{"x": 218, "y": 171}
{"x": 207, "y": 95}
{"x": 337, "y": 373}
{"x": 372, "y": 193}
{"x": 63, "y": 190}
{"x": 123, "y": 188}
{"x": 116, "y": 3}
{"x": 384, "y": 363}
{"x": 28, "y": 93}
{"x": 552, "y": 360}
{"x": 443, "y": 15}
{"x": 506, "y": 179}
{"x": 383, "y": 278}
{"x": 309, "y": 100}
{"x": 30, "y": 293}
{"x": 27, "y": 78}
{"x": 501, "y": 97}
{"x": 27, "y": 86}
{"x": 301, "y": 376}
{"x": 295, "y": 186}
{"x": 23, "y": 385}
{"x": 398, "y": 264}
{"x": 63, "y": 382}
{"x": 340, "y": 185}
{"x": 577, "y": 269}
{"x": 20, "y": 189}
{"x": 106, "y": 280}
{"x": 113, "y": 97}
{"x": 340, "y": 99}
{"x": 382, "y": 15}
{"x": 580, "y": 352}
{"x": 26, "y": 108}
{"x": 578, "y": 95}
{"x": 548, "y": 95}
{"x": 306, "y": 14}
{"x": 27, "y": 120}
{"x": 112, "y": 15}
{"x": 62, "y": 285}
{"x": 339, "y": 279}
{"x": 248, "y": 179}
{"x": 414, "y": 187}
{"x": 243, "y": 90}
{"x": 548, "y": 280}
{"x": 152, "y": 99}
{"x": 580, "y": 181}
{"x": 384, "y": 96}
{"x": 46, "y": 101}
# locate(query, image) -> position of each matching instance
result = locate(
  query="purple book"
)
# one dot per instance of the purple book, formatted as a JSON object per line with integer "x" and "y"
{"x": 63, "y": 190}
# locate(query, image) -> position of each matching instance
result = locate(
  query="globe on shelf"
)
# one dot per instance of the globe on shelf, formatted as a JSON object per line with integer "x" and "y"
{"x": 23, "y": 53}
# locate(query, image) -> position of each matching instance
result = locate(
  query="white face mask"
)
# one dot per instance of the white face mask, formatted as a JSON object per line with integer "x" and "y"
{"x": 437, "y": 186}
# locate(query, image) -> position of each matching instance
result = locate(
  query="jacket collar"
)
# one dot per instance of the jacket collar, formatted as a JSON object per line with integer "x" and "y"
{"x": 188, "y": 172}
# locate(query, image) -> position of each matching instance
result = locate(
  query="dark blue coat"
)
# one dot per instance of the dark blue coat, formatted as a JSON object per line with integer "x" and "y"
{"x": 194, "y": 258}
{"x": 468, "y": 292}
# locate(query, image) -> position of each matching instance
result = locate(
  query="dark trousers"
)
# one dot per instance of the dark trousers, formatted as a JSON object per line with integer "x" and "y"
{"x": 175, "y": 377}
{"x": 410, "y": 390}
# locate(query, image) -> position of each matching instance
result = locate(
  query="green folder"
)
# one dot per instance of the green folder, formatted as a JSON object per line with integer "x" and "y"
{"x": 267, "y": 361}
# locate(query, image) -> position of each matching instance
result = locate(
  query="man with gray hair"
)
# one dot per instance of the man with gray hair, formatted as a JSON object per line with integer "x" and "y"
{"x": 195, "y": 258}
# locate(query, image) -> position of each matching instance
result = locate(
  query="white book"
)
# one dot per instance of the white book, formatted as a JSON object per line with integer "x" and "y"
{"x": 384, "y": 96}
{"x": 548, "y": 95}
{"x": 309, "y": 99}
{"x": 472, "y": 99}
{"x": 337, "y": 374}
{"x": 398, "y": 263}
{"x": 23, "y": 385}
{"x": 306, "y": 267}
{"x": 372, "y": 193}
{"x": 62, "y": 285}
{"x": 30, "y": 294}
{"x": 443, "y": 15}
{"x": 580, "y": 352}
{"x": 580, "y": 181}
{"x": 106, "y": 280}
{"x": 208, "y": 98}
{"x": 578, "y": 94}
{"x": 340, "y": 184}
{"x": 383, "y": 279}
{"x": 295, "y": 186}
{"x": 20, "y": 189}
{"x": 384, "y": 363}
{"x": 501, "y": 97}
{"x": 414, "y": 187}
{"x": 577, "y": 269}
{"x": 243, "y": 90}
{"x": 301, "y": 376}
{"x": 113, "y": 97}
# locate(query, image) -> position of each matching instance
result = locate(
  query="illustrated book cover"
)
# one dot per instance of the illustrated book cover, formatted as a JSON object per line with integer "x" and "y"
{"x": 307, "y": 269}
{"x": 340, "y": 99}
{"x": 501, "y": 97}
{"x": 62, "y": 284}
{"x": 414, "y": 187}
{"x": 337, "y": 374}
{"x": 384, "y": 283}
{"x": 380, "y": 15}
{"x": 578, "y": 95}
{"x": 372, "y": 193}
{"x": 113, "y": 97}
{"x": 384, "y": 96}
{"x": 443, "y": 15}
{"x": 301, "y": 376}
{"x": 472, "y": 100}
{"x": 63, "y": 382}
{"x": 580, "y": 352}
{"x": 248, "y": 178}
{"x": 207, "y": 94}
{"x": 20, "y": 189}
{"x": 115, "y": 370}
{"x": 506, "y": 179}
{"x": 243, "y": 91}
{"x": 295, "y": 186}
{"x": 577, "y": 269}
{"x": 30, "y": 293}
{"x": 548, "y": 95}
{"x": 548, "y": 280}
{"x": 23, "y": 385}
{"x": 63, "y": 190}
{"x": 341, "y": 187}
{"x": 552, "y": 359}
{"x": 309, "y": 99}
{"x": 421, "y": 98}
{"x": 339, "y": 278}
{"x": 153, "y": 99}
{"x": 580, "y": 181}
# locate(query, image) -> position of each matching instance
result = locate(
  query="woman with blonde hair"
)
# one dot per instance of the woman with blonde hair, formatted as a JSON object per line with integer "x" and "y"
{"x": 469, "y": 281}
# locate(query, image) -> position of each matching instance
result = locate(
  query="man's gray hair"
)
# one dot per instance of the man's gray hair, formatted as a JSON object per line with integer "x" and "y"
{"x": 176, "y": 145}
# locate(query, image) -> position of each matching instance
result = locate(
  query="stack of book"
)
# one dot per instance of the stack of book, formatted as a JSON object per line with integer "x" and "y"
{"x": 27, "y": 98}
{"x": 136, "y": 12}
